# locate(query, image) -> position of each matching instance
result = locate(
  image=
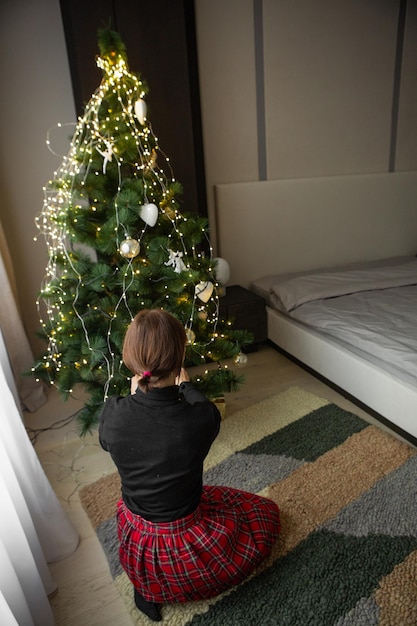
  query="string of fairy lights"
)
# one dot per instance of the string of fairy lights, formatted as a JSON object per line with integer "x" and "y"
{"x": 94, "y": 133}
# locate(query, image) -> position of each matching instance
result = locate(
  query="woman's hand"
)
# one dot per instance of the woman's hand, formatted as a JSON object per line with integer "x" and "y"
{"x": 182, "y": 377}
{"x": 134, "y": 383}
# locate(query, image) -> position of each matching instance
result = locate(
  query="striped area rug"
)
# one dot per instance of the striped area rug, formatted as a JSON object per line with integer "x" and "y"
{"x": 347, "y": 554}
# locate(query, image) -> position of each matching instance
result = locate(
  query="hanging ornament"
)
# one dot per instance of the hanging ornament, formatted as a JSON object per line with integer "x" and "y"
{"x": 84, "y": 249}
{"x": 129, "y": 248}
{"x": 107, "y": 154}
{"x": 152, "y": 160}
{"x": 204, "y": 290}
{"x": 149, "y": 213}
{"x": 170, "y": 213}
{"x": 240, "y": 359}
{"x": 190, "y": 334}
{"x": 222, "y": 270}
{"x": 202, "y": 314}
{"x": 80, "y": 201}
{"x": 140, "y": 110}
{"x": 175, "y": 259}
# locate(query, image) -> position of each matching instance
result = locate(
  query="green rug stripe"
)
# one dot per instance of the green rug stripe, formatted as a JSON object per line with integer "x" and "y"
{"x": 322, "y": 579}
{"x": 310, "y": 436}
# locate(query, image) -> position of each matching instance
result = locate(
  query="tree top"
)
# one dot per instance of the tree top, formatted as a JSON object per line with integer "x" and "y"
{"x": 111, "y": 45}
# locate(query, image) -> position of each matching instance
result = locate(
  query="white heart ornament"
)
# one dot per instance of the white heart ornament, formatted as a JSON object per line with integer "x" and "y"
{"x": 149, "y": 213}
{"x": 140, "y": 110}
{"x": 204, "y": 290}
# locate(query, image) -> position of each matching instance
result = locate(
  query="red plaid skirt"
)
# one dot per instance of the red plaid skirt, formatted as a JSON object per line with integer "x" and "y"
{"x": 203, "y": 554}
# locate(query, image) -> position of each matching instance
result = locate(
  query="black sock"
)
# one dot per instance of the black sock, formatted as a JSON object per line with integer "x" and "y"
{"x": 151, "y": 609}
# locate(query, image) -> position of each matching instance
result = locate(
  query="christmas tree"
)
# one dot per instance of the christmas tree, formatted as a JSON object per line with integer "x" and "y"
{"x": 117, "y": 242}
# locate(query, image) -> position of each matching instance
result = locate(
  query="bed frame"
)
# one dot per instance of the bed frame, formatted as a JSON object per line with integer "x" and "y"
{"x": 271, "y": 227}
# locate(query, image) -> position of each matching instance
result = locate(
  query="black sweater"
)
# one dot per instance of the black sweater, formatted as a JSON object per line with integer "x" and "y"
{"x": 158, "y": 442}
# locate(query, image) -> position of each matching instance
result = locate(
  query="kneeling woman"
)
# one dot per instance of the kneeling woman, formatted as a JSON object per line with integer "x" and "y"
{"x": 179, "y": 540}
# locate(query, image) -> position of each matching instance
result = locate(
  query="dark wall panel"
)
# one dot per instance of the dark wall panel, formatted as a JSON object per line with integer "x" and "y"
{"x": 161, "y": 46}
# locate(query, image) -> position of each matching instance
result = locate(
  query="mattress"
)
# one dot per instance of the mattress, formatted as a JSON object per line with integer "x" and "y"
{"x": 370, "y": 310}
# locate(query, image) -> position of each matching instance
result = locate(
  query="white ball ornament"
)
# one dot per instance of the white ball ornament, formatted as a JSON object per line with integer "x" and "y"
{"x": 190, "y": 334}
{"x": 222, "y": 270}
{"x": 129, "y": 248}
{"x": 204, "y": 290}
{"x": 141, "y": 110}
{"x": 149, "y": 213}
{"x": 240, "y": 359}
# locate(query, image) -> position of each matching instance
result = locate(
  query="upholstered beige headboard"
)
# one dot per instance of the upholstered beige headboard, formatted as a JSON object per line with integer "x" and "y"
{"x": 278, "y": 226}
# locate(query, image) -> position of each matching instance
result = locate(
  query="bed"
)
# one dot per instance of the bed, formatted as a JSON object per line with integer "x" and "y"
{"x": 358, "y": 234}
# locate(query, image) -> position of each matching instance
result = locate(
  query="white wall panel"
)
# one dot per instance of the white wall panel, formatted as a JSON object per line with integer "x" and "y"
{"x": 36, "y": 94}
{"x": 329, "y": 69}
{"x": 225, "y": 39}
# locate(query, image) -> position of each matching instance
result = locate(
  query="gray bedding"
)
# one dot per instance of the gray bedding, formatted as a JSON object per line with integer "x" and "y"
{"x": 376, "y": 320}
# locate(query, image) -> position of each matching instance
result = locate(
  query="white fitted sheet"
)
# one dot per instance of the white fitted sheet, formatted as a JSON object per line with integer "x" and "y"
{"x": 379, "y": 325}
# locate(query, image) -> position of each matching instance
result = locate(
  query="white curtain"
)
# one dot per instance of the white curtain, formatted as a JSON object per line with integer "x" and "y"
{"x": 34, "y": 528}
{"x": 31, "y": 394}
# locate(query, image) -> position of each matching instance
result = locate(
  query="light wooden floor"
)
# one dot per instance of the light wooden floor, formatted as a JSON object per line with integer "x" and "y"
{"x": 86, "y": 594}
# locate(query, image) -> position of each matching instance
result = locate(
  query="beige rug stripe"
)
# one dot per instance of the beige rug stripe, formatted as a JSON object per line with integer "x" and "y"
{"x": 261, "y": 419}
{"x": 397, "y": 594}
{"x": 173, "y": 614}
{"x": 316, "y": 491}
{"x": 100, "y": 498}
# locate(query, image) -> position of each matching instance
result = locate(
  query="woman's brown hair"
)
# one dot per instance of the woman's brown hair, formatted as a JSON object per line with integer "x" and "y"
{"x": 154, "y": 346}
